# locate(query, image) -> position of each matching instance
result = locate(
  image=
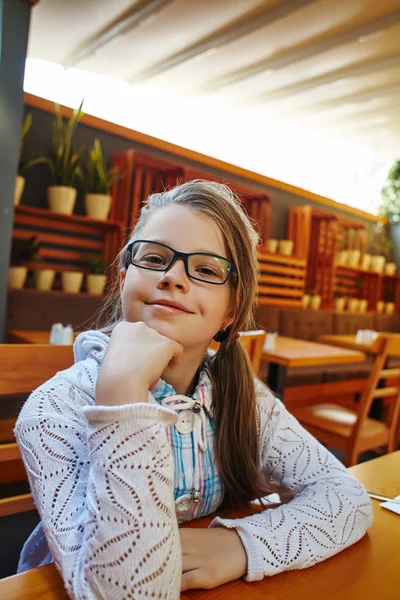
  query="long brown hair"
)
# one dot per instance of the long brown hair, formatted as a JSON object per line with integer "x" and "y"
{"x": 234, "y": 404}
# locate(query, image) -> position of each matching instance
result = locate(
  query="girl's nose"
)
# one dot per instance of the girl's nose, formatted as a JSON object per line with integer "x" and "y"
{"x": 175, "y": 276}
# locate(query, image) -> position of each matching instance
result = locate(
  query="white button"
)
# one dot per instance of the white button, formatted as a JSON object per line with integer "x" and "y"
{"x": 183, "y": 504}
{"x": 185, "y": 422}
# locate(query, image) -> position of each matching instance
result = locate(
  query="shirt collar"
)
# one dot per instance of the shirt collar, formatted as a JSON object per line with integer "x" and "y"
{"x": 202, "y": 393}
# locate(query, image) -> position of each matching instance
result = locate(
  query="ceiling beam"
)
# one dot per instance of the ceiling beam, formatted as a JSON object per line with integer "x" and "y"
{"x": 245, "y": 25}
{"x": 350, "y": 72}
{"x": 128, "y": 20}
{"x": 283, "y": 59}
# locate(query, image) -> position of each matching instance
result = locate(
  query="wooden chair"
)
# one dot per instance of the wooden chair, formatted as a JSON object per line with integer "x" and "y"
{"x": 23, "y": 367}
{"x": 352, "y": 430}
{"x": 253, "y": 342}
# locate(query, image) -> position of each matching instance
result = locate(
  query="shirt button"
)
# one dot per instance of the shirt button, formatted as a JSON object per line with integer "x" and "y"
{"x": 185, "y": 422}
{"x": 183, "y": 504}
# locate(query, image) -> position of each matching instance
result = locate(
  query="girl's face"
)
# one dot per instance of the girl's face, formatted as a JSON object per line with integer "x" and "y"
{"x": 206, "y": 308}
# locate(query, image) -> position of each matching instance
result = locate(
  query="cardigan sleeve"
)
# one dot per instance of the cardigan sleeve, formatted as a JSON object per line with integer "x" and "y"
{"x": 324, "y": 509}
{"x": 102, "y": 481}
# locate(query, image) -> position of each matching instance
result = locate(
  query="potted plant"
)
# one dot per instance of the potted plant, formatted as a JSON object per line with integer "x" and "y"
{"x": 306, "y": 299}
{"x": 272, "y": 246}
{"x": 98, "y": 184}
{"x": 25, "y": 163}
{"x": 44, "y": 279}
{"x": 286, "y": 247}
{"x": 390, "y": 194}
{"x": 22, "y": 251}
{"x": 339, "y": 301}
{"x": 382, "y": 246}
{"x": 63, "y": 162}
{"x": 96, "y": 277}
{"x": 353, "y": 256}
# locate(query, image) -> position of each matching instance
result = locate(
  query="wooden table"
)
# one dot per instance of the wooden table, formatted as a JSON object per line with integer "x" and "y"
{"x": 291, "y": 352}
{"x": 30, "y": 337}
{"x": 368, "y": 570}
{"x": 349, "y": 341}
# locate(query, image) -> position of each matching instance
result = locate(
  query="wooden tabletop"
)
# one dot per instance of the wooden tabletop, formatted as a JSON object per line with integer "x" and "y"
{"x": 368, "y": 569}
{"x": 349, "y": 341}
{"x": 291, "y": 352}
{"x": 30, "y": 337}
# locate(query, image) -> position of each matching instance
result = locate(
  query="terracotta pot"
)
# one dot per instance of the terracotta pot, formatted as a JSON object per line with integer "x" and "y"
{"x": 61, "y": 198}
{"x": 390, "y": 268}
{"x": 389, "y": 308}
{"x": 19, "y": 188}
{"x": 286, "y": 247}
{"x": 97, "y": 206}
{"x": 377, "y": 263}
{"x": 16, "y": 277}
{"x": 96, "y": 284}
{"x": 272, "y": 246}
{"x": 380, "y": 307}
{"x": 339, "y": 304}
{"x": 306, "y": 300}
{"x": 354, "y": 258}
{"x": 72, "y": 281}
{"x": 315, "y": 302}
{"x": 44, "y": 279}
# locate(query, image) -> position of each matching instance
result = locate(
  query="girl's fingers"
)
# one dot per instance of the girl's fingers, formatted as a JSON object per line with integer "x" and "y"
{"x": 192, "y": 580}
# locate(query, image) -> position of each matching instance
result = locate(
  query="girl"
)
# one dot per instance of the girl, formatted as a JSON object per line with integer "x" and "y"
{"x": 115, "y": 467}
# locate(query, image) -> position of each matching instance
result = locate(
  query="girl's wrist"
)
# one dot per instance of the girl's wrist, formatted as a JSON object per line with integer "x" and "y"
{"x": 117, "y": 395}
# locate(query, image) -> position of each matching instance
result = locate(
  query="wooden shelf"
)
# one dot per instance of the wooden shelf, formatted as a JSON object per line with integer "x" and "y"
{"x": 55, "y": 293}
{"x": 46, "y": 214}
{"x": 281, "y": 280}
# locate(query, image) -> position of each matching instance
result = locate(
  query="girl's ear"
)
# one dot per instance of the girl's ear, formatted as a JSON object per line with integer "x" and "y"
{"x": 229, "y": 318}
{"x": 122, "y": 275}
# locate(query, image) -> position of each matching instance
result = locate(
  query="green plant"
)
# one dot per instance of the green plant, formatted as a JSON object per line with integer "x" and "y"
{"x": 63, "y": 159}
{"x": 380, "y": 241}
{"x": 23, "y": 250}
{"x": 389, "y": 295}
{"x": 390, "y": 193}
{"x": 359, "y": 283}
{"x": 26, "y": 163}
{"x": 338, "y": 294}
{"x": 99, "y": 180}
{"x": 96, "y": 264}
{"x": 350, "y": 236}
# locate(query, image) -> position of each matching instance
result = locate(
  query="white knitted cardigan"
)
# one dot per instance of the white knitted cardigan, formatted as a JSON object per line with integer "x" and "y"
{"x": 102, "y": 478}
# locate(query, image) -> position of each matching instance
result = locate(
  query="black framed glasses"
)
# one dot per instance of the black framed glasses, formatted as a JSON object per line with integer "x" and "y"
{"x": 154, "y": 256}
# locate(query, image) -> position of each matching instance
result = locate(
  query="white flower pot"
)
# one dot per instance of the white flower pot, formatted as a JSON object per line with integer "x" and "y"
{"x": 315, "y": 302}
{"x": 96, "y": 284}
{"x": 272, "y": 246}
{"x": 306, "y": 300}
{"x": 353, "y": 305}
{"x": 342, "y": 258}
{"x": 363, "y": 305}
{"x": 19, "y": 188}
{"x": 72, "y": 281}
{"x": 16, "y": 277}
{"x": 61, "y": 198}
{"x": 377, "y": 263}
{"x": 389, "y": 308}
{"x": 339, "y": 304}
{"x": 97, "y": 206}
{"x": 380, "y": 307}
{"x": 354, "y": 258}
{"x": 366, "y": 261}
{"x": 286, "y": 247}
{"x": 390, "y": 268}
{"x": 44, "y": 279}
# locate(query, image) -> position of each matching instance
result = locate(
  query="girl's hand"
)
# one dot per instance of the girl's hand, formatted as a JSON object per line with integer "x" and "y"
{"x": 134, "y": 360}
{"x": 211, "y": 557}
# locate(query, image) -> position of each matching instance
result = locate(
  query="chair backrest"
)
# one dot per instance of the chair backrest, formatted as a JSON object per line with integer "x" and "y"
{"x": 382, "y": 383}
{"x": 23, "y": 367}
{"x": 253, "y": 342}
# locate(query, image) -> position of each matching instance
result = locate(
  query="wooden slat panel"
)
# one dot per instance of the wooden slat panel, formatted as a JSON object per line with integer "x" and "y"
{"x": 57, "y": 240}
{"x": 281, "y": 281}
{"x": 280, "y": 259}
{"x": 296, "y": 272}
{"x": 280, "y": 291}
{"x": 9, "y": 451}
{"x": 265, "y": 300}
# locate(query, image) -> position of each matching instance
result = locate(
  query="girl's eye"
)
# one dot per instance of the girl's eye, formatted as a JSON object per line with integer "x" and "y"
{"x": 153, "y": 259}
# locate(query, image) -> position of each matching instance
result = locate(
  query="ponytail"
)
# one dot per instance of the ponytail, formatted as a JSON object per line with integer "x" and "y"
{"x": 236, "y": 437}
